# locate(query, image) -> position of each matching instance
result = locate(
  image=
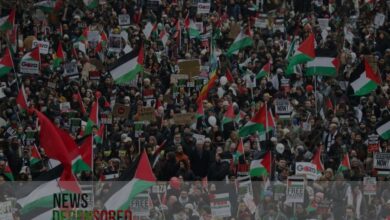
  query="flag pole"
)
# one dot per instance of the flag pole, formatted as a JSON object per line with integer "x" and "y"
{"x": 315, "y": 94}
{"x": 266, "y": 121}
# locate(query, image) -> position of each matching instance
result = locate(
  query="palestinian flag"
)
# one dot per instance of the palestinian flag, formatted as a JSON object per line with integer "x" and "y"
{"x": 317, "y": 160}
{"x": 367, "y": 82}
{"x": 244, "y": 39}
{"x": 93, "y": 118}
{"x": 206, "y": 88}
{"x": 304, "y": 53}
{"x": 48, "y": 6}
{"x": 262, "y": 120}
{"x": 178, "y": 29}
{"x": 99, "y": 135}
{"x": 148, "y": 29}
{"x": 6, "y": 63}
{"x": 35, "y": 155}
{"x": 345, "y": 165}
{"x": 84, "y": 36}
{"x": 164, "y": 37}
{"x": 8, "y": 172}
{"x": 127, "y": 67}
{"x": 142, "y": 180}
{"x": 80, "y": 100}
{"x": 191, "y": 28}
{"x": 34, "y": 55}
{"x": 86, "y": 151}
{"x": 384, "y": 130}
{"x": 21, "y": 99}
{"x": 229, "y": 114}
{"x": 262, "y": 166}
{"x": 239, "y": 151}
{"x": 324, "y": 66}
{"x": 91, "y": 4}
{"x": 229, "y": 76}
{"x": 40, "y": 198}
{"x": 59, "y": 57}
{"x": 265, "y": 71}
{"x": 200, "y": 110}
{"x": 7, "y": 22}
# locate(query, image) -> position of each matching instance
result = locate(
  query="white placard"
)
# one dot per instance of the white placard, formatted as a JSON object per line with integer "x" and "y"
{"x": 307, "y": 169}
{"x": 29, "y": 66}
{"x": 124, "y": 19}
{"x": 43, "y": 46}
{"x": 220, "y": 205}
{"x": 379, "y": 20}
{"x": 323, "y": 23}
{"x": 295, "y": 191}
{"x": 382, "y": 161}
{"x": 203, "y": 8}
{"x": 93, "y": 36}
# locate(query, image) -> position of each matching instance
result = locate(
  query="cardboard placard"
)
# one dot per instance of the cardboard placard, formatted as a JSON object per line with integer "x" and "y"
{"x": 124, "y": 19}
{"x": 189, "y": 67}
{"x": 175, "y": 78}
{"x": 220, "y": 205}
{"x": 234, "y": 31}
{"x": 121, "y": 111}
{"x": 203, "y": 8}
{"x": 184, "y": 118}
{"x": 43, "y": 46}
{"x": 139, "y": 206}
{"x": 382, "y": 161}
{"x": 147, "y": 114}
{"x": 295, "y": 189}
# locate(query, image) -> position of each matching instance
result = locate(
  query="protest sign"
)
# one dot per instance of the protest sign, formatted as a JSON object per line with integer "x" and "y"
{"x": 184, "y": 118}
{"x": 283, "y": 108}
{"x": 93, "y": 36}
{"x": 106, "y": 118}
{"x": 379, "y": 20}
{"x": 373, "y": 143}
{"x": 261, "y": 21}
{"x": 199, "y": 137}
{"x": 159, "y": 188}
{"x": 199, "y": 26}
{"x": 203, "y": 8}
{"x": 307, "y": 169}
{"x": 139, "y": 205}
{"x": 94, "y": 75}
{"x": 121, "y": 111}
{"x": 115, "y": 43}
{"x": 29, "y": 66}
{"x": 75, "y": 124}
{"x": 189, "y": 67}
{"x": 279, "y": 25}
{"x": 244, "y": 186}
{"x": 43, "y": 46}
{"x": 369, "y": 186}
{"x": 220, "y": 205}
{"x": 323, "y": 207}
{"x": 285, "y": 84}
{"x": 138, "y": 128}
{"x": 175, "y": 78}
{"x": 382, "y": 161}
{"x": 65, "y": 106}
{"x": 6, "y": 210}
{"x": 295, "y": 189}
{"x": 147, "y": 114}
{"x": 323, "y": 23}
{"x": 250, "y": 204}
{"x": 70, "y": 69}
{"x": 124, "y": 20}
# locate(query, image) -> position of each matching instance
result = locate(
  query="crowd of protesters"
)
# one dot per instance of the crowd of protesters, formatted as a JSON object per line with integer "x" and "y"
{"x": 325, "y": 114}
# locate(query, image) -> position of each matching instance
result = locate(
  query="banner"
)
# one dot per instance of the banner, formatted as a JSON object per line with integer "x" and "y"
{"x": 140, "y": 205}
{"x": 29, "y": 66}
{"x": 6, "y": 210}
{"x": 203, "y": 8}
{"x": 121, "y": 111}
{"x": 295, "y": 189}
{"x": 307, "y": 169}
{"x": 369, "y": 186}
{"x": 382, "y": 161}
{"x": 43, "y": 46}
{"x": 124, "y": 20}
{"x": 379, "y": 20}
{"x": 220, "y": 205}
{"x": 184, "y": 118}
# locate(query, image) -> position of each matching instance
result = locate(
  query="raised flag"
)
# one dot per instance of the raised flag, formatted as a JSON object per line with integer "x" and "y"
{"x": 21, "y": 99}
{"x": 93, "y": 118}
{"x": 229, "y": 115}
{"x": 91, "y": 4}
{"x": 59, "y": 57}
{"x": 35, "y": 155}
{"x": 30, "y": 62}
{"x": 261, "y": 166}
{"x": 86, "y": 151}
{"x": 324, "y": 66}
{"x": 49, "y": 6}
{"x": 304, "y": 53}
{"x": 148, "y": 29}
{"x": 383, "y": 130}
{"x": 200, "y": 110}
{"x": 229, "y": 76}
{"x": 243, "y": 40}
{"x": 367, "y": 82}
{"x": 263, "y": 121}
{"x": 6, "y": 63}
{"x": 164, "y": 37}
{"x": 142, "y": 180}
{"x": 344, "y": 165}
{"x": 49, "y": 137}
{"x": 192, "y": 29}
{"x": 98, "y": 138}
{"x": 265, "y": 70}
{"x": 7, "y": 22}
{"x": 7, "y": 172}
{"x": 127, "y": 67}
{"x": 317, "y": 160}
{"x": 80, "y": 100}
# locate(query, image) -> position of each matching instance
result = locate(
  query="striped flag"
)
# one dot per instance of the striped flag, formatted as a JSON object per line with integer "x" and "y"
{"x": 243, "y": 40}
{"x": 265, "y": 71}
{"x": 35, "y": 155}
{"x": 383, "y": 130}
{"x": 127, "y": 67}
{"x": 7, "y": 22}
{"x": 367, "y": 82}
{"x": 262, "y": 121}
{"x": 6, "y": 63}
{"x": 324, "y": 66}
{"x": 261, "y": 166}
{"x": 304, "y": 53}
{"x": 21, "y": 99}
